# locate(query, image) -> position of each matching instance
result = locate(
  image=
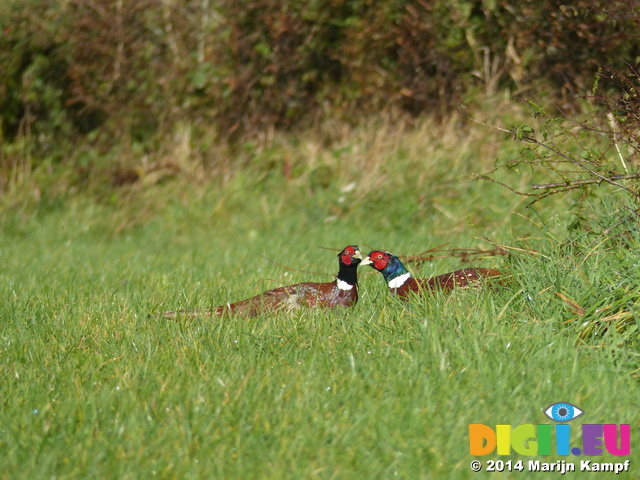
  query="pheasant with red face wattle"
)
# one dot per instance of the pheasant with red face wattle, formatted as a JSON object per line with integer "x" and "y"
{"x": 401, "y": 283}
{"x": 342, "y": 292}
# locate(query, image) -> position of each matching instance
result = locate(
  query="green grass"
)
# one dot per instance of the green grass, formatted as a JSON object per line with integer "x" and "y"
{"x": 96, "y": 385}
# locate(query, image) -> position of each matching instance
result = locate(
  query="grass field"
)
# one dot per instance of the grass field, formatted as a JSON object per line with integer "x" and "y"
{"x": 96, "y": 385}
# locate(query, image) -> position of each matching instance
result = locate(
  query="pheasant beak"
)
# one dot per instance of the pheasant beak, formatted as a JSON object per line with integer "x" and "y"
{"x": 366, "y": 261}
{"x": 357, "y": 255}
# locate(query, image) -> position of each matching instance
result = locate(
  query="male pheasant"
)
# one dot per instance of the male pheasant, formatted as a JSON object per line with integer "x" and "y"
{"x": 342, "y": 292}
{"x": 401, "y": 283}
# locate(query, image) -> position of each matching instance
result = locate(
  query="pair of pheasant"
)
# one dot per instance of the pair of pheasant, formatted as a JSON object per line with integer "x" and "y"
{"x": 343, "y": 291}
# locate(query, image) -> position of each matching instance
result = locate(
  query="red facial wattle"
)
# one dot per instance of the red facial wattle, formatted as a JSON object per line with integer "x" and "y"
{"x": 347, "y": 255}
{"x": 380, "y": 263}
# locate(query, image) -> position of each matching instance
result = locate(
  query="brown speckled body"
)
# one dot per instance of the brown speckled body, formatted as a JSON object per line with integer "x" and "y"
{"x": 402, "y": 284}
{"x": 466, "y": 277}
{"x": 342, "y": 292}
{"x": 309, "y": 294}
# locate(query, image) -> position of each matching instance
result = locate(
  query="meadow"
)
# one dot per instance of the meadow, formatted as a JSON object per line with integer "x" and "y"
{"x": 97, "y": 384}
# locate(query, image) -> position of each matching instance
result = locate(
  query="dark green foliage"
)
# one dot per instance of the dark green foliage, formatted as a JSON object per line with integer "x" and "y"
{"x": 33, "y": 77}
{"x": 571, "y": 39}
{"x": 136, "y": 67}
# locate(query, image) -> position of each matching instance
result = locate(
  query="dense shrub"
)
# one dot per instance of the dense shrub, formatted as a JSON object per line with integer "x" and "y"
{"x": 34, "y": 74}
{"x": 135, "y": 67}
{"x": 292, "y": 60}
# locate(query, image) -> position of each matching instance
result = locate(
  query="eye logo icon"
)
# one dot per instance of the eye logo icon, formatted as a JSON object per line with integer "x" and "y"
{"x": 562, "y": 412}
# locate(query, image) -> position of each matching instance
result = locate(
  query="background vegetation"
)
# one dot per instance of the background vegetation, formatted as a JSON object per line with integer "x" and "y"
{"x": 159, "y": 155}
{"x": 80, "y": 76}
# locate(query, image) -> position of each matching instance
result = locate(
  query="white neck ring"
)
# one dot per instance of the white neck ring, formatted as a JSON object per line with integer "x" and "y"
{"x": 399, "y": 281}
{"x": 342, "y": 285}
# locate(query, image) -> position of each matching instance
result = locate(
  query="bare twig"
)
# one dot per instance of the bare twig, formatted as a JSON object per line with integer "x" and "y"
{"x": 598, "y": 175}
{"x": 588, "y": 181}
{"x": 634, "y": 215}
{"x": 587, "y": 166}
{"x": 410, "y": 258}
{"x": 515, "y": 249}
{"x": 485, "y": 177}
{"x": 463, "y": 109}
{"x": 463, "y": 253}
